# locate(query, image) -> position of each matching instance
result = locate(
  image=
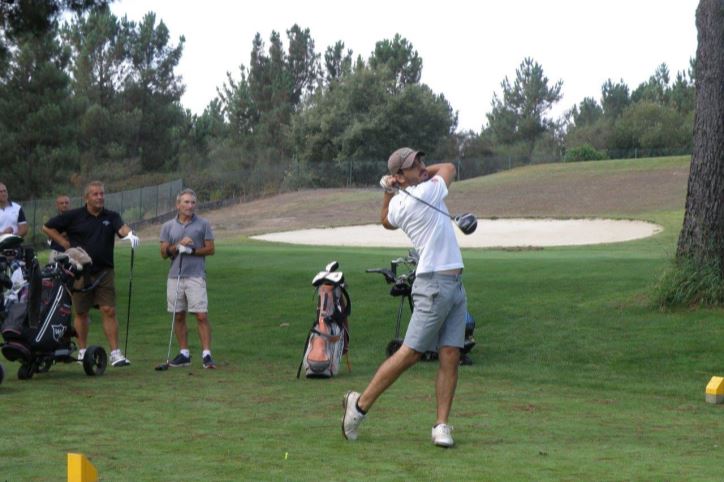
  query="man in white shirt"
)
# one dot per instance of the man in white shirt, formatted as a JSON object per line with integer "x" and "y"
{"x": 438, "y": 321}
{"x": 12, "y": 217}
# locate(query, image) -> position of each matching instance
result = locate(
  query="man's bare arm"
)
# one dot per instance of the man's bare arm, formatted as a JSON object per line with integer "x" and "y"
{"x": 445, "y": 170}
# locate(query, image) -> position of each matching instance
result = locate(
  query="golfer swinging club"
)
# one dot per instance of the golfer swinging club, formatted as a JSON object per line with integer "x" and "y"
{"x": 438, "y": 321}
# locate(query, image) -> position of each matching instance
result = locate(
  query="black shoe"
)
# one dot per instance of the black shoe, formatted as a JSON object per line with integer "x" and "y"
{"x": 180, "y": 361}
{"x": 209, "y": 362}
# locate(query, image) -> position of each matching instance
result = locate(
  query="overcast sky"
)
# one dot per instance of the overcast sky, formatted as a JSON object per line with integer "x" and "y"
{"x": 468, "y": 47}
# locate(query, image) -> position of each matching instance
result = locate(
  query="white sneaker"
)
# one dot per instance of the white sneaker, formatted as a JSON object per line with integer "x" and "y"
{"x": 118, "y": 360}
{"x": 442, "y": 435}
{"x": 81, "y": 354}
{"x": 352, "y": 417}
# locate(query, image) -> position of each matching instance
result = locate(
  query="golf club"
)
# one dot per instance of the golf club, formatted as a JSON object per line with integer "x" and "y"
{"x": 128, "y": 312}
{"x": 467, "y": 222}
{"x": 165, "y": 366}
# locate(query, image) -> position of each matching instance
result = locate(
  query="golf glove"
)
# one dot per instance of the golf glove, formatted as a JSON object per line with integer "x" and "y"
{"x": 133, "y": 239}
{"x": 388, "y": 183}
{"x": 182, "y": 249}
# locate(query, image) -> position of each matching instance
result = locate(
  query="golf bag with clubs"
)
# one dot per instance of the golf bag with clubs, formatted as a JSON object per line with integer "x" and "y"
{"x": 402, "y": 288}
{"x": 328, "y": 339}
{"x": 35, "y": 311}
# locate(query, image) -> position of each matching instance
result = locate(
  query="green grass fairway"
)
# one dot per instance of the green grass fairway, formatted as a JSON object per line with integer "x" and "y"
{"x": 576, "y": 377}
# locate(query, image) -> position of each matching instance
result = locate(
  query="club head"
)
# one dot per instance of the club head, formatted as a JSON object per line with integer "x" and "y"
{"x": 467, "y": 223}
{"x": 162, "y": 367}
{"x": 331, "y": 266}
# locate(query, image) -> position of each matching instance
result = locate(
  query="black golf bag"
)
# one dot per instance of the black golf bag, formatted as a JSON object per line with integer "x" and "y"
{"x": 402, "y": 288}
{"x": 36, "y": 315}
{"x": 328, "y": 339}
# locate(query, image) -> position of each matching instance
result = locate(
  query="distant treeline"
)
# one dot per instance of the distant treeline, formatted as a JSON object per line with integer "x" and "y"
{"x": 84, "y": 94}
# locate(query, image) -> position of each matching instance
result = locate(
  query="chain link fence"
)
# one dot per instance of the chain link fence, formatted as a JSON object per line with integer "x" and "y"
{"x": 145, "y": 204}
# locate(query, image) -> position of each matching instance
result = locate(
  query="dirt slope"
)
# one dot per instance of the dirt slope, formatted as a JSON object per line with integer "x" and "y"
{"x": 557, "y": 190}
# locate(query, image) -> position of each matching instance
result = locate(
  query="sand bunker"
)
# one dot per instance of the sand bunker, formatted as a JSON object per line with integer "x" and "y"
{"x": 490, "y": 233}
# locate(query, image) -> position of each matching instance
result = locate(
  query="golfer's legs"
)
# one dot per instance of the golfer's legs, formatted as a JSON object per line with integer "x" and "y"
{"x": 80, "y": 323}
{"x": 110, "y": 325}
{"x": 387, "y": 373}
{"x": 204, "y": 330}
{"x": 181, "y": 330}
{"x": 447, "y": 379}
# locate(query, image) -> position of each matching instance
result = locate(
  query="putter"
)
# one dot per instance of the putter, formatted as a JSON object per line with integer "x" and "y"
{"x": 467, "y": 222}
{"x": 165, "y": 366}
{"x": 128, "y": 312}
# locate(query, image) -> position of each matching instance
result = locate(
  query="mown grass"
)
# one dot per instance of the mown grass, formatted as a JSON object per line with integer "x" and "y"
{"x": 577, "y": 376}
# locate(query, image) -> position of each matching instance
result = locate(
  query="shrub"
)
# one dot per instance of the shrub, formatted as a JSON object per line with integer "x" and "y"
{"x": 585, "y": 152}
{"x": 690, "y": 283}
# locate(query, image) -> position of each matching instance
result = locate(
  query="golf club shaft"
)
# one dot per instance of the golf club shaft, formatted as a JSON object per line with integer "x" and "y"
{"x": 175, "y": 301}
{"x": 428, "y": 204}
{"x": 128, "y": 311}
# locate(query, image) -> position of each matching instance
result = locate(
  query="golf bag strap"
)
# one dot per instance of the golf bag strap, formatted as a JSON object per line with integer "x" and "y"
{"x": 304, "y": 352}
{"x": 347, "y": 302}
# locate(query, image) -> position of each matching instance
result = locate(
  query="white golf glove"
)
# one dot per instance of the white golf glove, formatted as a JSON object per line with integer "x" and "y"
{"x": 183, "y": 249}
{"x": 133, "y": 239}
{"x": 388, "y": 183}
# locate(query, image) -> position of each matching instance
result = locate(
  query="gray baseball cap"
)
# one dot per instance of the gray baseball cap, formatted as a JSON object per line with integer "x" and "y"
{"x": 402, "y": 158}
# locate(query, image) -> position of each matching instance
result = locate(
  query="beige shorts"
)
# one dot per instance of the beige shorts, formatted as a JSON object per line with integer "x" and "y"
{"x": 191, "y": 295}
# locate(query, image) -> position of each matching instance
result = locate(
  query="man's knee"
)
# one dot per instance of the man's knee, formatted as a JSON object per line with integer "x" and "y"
{"x": 202, "y": 318}
{"x": 108, "y": 311}
{"x": 407, "y": 355}
{"x": 449, "y": 355}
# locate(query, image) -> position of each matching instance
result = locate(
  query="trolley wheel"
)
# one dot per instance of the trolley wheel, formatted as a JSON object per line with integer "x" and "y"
{"x": 393, "y": 346}
{"x": 95, "y": 361}
{"x": 25, "y": 372}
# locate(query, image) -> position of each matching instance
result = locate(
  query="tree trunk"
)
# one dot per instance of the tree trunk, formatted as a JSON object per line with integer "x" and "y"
{"x": 702, "y": 235}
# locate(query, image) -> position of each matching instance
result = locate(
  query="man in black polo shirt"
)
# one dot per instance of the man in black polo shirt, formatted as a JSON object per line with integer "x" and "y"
{"x": 94, "y": 228}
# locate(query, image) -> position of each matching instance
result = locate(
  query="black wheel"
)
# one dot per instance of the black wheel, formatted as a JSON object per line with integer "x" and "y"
{"x": 25, "y": 372}
{"x": 95, "y": 361}
{"x": 2, "y": 374}
{"x": 393, "y": 346}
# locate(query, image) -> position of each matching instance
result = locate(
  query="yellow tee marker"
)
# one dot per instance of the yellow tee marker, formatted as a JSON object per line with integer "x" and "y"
{"x": 715, "y": 390}
{"x": 80, "y": 469}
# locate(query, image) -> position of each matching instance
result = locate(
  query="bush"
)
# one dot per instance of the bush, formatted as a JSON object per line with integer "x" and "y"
{"x": 690, "y": 283}
{"x": 585, "y": 152}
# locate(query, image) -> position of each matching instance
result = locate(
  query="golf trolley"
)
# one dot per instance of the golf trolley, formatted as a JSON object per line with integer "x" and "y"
{"x": 35, "y": 311}
{"x": 402, "y": 288}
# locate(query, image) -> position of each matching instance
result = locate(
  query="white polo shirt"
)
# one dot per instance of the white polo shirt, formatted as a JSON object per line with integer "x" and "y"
{"x": 11, "y": 215}
{"x": 431, "y": 232}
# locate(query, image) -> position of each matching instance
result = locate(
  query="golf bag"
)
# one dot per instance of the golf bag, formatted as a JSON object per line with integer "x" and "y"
{"x": 402, "y": 288}
{"x": 36, "y": 315}
{"x": 328, "y": 339}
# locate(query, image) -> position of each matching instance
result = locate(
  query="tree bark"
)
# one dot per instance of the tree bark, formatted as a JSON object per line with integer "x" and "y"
{"x": 702, "y": 235}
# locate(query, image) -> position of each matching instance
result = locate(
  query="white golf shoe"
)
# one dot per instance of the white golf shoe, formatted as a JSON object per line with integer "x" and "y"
{"x": 352, "y": 417}
{"x": 118, "y": 360}
{"x": 442, "y": 435}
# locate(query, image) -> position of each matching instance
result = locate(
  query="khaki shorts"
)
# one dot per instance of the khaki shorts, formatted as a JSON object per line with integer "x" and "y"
{"x": 102, "y": 295}
{"x": 191, "y": 295}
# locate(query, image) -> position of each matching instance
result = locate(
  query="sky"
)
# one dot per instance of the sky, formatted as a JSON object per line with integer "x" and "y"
{"x": 468, "y": 47}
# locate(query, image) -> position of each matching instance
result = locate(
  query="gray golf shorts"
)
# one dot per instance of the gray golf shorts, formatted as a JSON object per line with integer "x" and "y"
{"x": 439, "y": 315}
{"x": 191, "y": 295}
